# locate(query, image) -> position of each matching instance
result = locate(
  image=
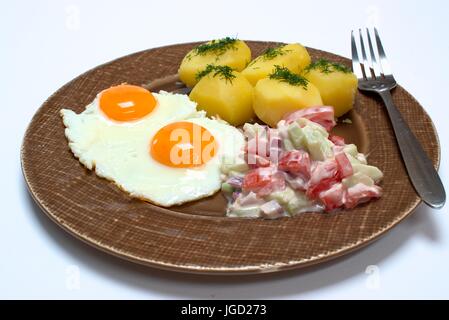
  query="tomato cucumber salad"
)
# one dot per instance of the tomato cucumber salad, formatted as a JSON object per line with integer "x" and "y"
{"x": 297, "y": 167}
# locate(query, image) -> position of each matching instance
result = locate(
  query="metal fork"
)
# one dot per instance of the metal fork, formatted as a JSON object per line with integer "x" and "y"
{"x": 374, "y": 74}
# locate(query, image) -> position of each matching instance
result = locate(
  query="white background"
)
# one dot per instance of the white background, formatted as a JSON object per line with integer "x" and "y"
{"x": 44, "y": 44}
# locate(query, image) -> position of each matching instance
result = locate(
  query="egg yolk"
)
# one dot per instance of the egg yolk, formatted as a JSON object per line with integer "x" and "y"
{"x": 126, "y": 102}
{"x": 183, "y": 145}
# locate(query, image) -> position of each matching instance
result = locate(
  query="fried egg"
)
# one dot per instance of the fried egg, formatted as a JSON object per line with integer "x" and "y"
{"x": 156, "y": 147}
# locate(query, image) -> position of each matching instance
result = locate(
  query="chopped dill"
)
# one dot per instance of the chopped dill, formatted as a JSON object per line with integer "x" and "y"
{"x": 224, "y": 72}
{"x": 271, "y": 53}
{"x": 326, "y": 67}
{"x": 284, "y": 75}
{"x": 218, "y": 47}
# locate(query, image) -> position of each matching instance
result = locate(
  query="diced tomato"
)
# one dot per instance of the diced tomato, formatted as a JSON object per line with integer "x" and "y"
{"x": 256, "y": 179}
{"x": 314, "y": 190}
{"x": 324, "y": 175}
{"x": 337, "y": 140}
{"x": 334, "y": 197}
{"x": 323, "y": 170}
{"x": 344, "y": 165}
{"x": 296, "y": 162}
{"x": 361, "y": 193}
{"x": 263, "y": 181}
{"x": 277, "y": 183}
{"x": 324, "y": 116}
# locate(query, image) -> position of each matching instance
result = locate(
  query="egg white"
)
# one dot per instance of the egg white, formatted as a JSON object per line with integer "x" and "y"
{"x": 120, "y": 152}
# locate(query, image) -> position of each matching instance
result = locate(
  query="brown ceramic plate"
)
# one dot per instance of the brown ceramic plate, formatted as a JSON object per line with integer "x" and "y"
{"x": 198, "y": 237}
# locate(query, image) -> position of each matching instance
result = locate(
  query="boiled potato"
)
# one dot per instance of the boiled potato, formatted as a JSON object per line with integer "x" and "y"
{"x": 227, "y": 52}
{"x": 292, "y": 56}
{"x": 281, "y": 93}
{"x": 225, "y": 93}
{"x": 336, "y": 83}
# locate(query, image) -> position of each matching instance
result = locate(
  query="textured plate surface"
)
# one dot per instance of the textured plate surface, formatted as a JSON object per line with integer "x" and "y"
{"x": 197, "y": 237}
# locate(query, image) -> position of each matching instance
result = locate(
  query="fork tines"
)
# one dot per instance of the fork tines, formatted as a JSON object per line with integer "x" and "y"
{"x": 374, "y": 63}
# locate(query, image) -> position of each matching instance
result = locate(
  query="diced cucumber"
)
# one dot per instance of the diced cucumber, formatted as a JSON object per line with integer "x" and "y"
{"x": 234, "y": 165}
{"x": 245, "y": 212}
{"x": 362, "y": 158}
{"x": 357, "y": 178}
{"x": 354, "y": 155}
{"x": 319, "y": 147}
{"x": 252, "y": 130}
{"x": 306, "y": 134}
{"x": 249, "y": 130}
{"x": 352, "y": 159}
{"x": 233, "y": 173}
{"x": 306, "y": 123}
{"x": 288, "y": 145}
{"x": 227, "y": 188}
{"x": 283, "y": 196}
{"x": 371, "y": 171}
{"x": 359, "y": 159}
{"x": 298, "y": 202}
{"x": 351, "y": 149}
{"x": 296, "y": 135}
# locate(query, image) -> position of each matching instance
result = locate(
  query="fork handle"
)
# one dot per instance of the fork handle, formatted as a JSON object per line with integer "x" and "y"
{"x": 420, "y": 168}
